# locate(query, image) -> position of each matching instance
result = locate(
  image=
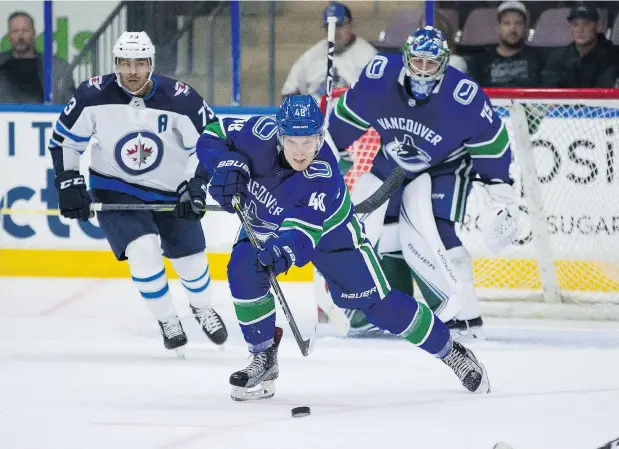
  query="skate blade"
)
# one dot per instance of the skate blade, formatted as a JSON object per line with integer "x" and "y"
{"x": 484, "y": 386}
{"x": 264, "y": 390}
{"x": 180, "y": 352}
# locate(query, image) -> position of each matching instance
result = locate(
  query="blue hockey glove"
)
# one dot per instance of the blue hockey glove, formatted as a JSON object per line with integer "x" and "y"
{"x": 73, "y": 198}
{"x": 191, "y": 200}
{"x": 230, "y": 178}
{"x": 277, "y": 256}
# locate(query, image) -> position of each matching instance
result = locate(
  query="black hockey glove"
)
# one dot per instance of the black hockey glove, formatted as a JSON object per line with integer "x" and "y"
{"x": 73, "y": 198}
{"x": 191, "y": 200}
{"x": 229, "y": 179}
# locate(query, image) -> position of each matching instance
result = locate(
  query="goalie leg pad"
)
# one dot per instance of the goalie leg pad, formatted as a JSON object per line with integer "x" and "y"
{"x": 423, "y": 248}
{"x": 373, "y": 222}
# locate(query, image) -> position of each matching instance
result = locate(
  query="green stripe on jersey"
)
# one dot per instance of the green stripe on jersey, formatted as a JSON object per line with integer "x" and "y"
{"x": 343, "y": 112}
{"x": 420, "y": 326}
{"x": 493, "y": 148}
{"x": 312, "y": 231}
{"x": 339, "y": 216}
{"x": 216, "y": 129}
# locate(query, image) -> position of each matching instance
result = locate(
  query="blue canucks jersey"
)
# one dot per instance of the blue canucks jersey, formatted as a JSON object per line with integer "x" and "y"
{"x": 139, "y": 145}
{"x": 312, "y": 207}
{"x": 454, "y": 127}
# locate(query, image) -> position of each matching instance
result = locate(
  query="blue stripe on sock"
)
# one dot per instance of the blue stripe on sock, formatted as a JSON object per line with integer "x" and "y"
{"x": 196, "y": 279}
{"x": 155, "y": 295}
{"x": 199, "y": 289}
{"x": 151, "y": 278}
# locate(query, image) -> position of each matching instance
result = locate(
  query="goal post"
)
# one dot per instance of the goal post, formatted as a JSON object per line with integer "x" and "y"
{"x": 565, "y": 261}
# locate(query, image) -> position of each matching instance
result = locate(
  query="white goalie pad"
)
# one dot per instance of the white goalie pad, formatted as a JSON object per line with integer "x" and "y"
{"x": 423, "y": 249}
{"x": 373, "y": 222}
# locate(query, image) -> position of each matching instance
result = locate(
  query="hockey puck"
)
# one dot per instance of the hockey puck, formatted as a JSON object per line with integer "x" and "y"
{"x": 300, "y": 412}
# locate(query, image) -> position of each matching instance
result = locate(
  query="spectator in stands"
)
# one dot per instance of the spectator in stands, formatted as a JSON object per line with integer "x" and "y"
{"x": 511, "y": 63}
{"x": 21, "y": 68}
{"x": 352, "y": 53}
{"x": 589, "y": 61}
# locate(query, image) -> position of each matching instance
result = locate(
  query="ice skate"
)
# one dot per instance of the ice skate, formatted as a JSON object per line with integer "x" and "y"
{"x": 257, "y": 381}
{"x": 462, "y": 330}
{"x": 174, "y": 336}
{"x": 212, "y": 324}
{"x": 471, "y": 373}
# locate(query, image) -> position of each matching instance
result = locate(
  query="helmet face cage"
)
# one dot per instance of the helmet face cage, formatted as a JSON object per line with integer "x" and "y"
{"x": 426, "y": 56}
{"x": 300, "y": 115}
{"x": 133, "y": 45}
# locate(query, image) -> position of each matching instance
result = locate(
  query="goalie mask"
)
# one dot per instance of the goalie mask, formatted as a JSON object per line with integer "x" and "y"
{"x": 131, "y": 49}
{"x": 426, "y": 55}
{"x": 300, "y": 130}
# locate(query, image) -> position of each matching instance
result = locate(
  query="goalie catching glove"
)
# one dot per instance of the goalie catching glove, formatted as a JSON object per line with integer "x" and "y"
{"x": 497, "y": 205}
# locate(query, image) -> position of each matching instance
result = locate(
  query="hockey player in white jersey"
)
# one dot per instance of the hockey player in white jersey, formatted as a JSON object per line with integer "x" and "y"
{"x": 438, "y": 125}
{"x": 143, "y": 129}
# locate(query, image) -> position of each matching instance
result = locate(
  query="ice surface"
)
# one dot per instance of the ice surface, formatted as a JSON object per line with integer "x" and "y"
{"x": 82, "y": 366}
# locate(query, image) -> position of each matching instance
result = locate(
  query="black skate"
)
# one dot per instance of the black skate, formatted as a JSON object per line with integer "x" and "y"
{"x": 212, "y": 324}
{"x": 257, "y": 381}
{"x": 466, "y": 329}
{"x": 471, "y": 373}
{"x": 174, "y": 336}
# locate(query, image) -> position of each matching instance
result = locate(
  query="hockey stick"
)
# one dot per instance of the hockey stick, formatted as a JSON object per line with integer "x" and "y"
{"x": 305, "y": 346}
{"x": 331, "y": 23}
{"x": 383, "y": 193}
{"x": 100, "y": 207}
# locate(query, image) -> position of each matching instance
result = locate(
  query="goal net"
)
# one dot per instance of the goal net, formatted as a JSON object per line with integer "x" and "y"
{"x": 565, "y": 261}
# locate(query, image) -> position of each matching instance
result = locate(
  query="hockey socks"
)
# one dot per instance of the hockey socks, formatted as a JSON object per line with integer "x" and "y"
{"x": 402, "y": 315}
{"x": 257, "y": 320}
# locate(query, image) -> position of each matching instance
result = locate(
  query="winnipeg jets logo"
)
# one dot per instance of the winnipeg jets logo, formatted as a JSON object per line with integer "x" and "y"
{"x": 139, "y": 152}
{"x": 407, "y": 155}
{"x": 181, "y": 88}
{"x": 95, "y": 82}
{"x": 264, "y": 229}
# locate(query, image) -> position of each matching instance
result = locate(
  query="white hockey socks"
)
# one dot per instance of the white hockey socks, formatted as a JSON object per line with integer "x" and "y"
{"x": 148, "y": 274}
{"x": 195, "y": 276}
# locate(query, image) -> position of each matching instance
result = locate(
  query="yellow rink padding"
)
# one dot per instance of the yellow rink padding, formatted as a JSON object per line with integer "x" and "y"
{"x": 510, "y": 274}
{"x": 103, "y": 264}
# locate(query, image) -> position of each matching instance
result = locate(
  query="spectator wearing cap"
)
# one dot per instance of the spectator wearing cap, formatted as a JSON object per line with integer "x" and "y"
{"x": 21, "y": 68}
{"x": 511, "y": 63}
{"x": 589, "y": 61}
{"x": 351, "y": 54}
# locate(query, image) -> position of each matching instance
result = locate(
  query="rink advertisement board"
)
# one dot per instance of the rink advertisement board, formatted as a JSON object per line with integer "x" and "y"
{"x": 577, "y": 177}
{"x": 34, "y": 241}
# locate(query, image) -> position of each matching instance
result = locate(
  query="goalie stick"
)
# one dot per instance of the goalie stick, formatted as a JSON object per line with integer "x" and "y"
{"x": 305, "y": 346}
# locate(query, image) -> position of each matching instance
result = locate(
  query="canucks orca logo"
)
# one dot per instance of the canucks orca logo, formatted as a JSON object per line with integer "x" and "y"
{"x": 139, "y": 152}
{"x": 407, "y": 155}
{"x": 264, "y": 229}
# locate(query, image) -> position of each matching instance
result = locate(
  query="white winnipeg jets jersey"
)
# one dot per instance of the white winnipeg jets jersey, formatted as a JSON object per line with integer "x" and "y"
{"x": 139, "y": 146}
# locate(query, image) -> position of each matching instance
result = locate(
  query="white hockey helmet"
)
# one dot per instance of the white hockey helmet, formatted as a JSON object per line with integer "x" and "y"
{"x": 134, "y": 45}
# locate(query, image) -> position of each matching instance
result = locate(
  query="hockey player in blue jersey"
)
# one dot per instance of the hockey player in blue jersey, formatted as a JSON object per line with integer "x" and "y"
{"x": 439, "y": 126}
{"x": 144, "y": 130}
{"x": 286, "y": 175}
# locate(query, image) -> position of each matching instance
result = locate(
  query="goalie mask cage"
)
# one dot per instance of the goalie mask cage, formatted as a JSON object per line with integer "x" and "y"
{"x": 565, "y": 262}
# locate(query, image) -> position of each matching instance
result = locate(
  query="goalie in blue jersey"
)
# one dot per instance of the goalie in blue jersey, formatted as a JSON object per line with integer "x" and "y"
{"x": 439, "y": 126}
{"x": 294, "y": 197}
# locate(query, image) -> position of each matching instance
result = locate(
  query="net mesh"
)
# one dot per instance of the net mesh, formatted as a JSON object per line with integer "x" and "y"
{"x": 574, "y": 148}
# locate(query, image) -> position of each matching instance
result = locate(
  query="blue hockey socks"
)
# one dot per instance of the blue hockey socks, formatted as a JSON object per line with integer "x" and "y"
{"x": 402, "y": 315}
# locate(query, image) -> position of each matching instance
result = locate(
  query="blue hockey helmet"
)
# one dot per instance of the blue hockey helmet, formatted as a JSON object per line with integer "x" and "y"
{"x": 426, "y": 55}
{"x": 299, "y": 115}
